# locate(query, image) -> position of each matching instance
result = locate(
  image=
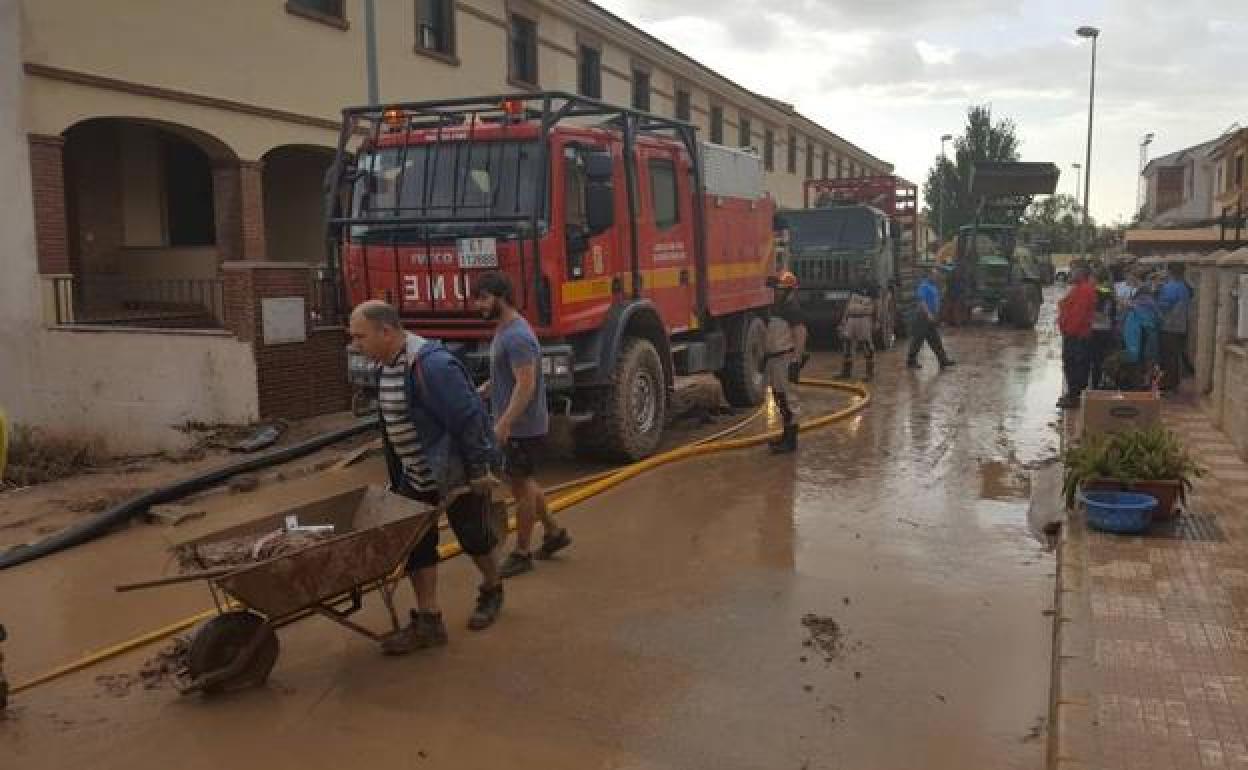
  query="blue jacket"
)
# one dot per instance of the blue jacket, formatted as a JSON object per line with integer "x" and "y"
{"x": 449, "y": 416}
{"x": 1173, "y": 303}
{"x": 1140, "y": 331}
{"x": 929, "y": 295}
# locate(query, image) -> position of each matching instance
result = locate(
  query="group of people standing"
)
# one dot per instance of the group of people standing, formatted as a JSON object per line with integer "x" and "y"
{"x": 1125, "y": 330}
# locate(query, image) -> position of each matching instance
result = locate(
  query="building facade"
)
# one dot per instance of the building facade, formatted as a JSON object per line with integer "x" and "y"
{"x": 169, "y": 157}
{"x": 1231, "y": 180}
{"x": 1179, "y": 187}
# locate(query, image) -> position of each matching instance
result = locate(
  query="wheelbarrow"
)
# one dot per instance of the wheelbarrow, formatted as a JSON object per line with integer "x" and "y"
{"x": 373, "y": 533}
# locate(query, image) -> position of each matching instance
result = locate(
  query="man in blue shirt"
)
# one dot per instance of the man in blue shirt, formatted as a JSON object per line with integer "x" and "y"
{"x": 517, "y": 396}
{"x": 924, "y": 326}
{"x": 1173, "y": 303}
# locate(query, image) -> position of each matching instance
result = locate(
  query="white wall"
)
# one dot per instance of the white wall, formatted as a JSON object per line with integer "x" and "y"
{"x": 130, "y": 388}
{"x": 19, "y": 282}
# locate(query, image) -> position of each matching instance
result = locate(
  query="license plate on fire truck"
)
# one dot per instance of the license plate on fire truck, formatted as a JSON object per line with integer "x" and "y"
{"x": 478, "y": 252}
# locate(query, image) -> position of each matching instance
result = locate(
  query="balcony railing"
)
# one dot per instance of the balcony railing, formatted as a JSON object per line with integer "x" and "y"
{"x": 163, "y": 303}
{"x": 325, "y": 305}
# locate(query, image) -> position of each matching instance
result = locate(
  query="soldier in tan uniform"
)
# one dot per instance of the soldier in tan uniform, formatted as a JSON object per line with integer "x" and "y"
{"x": 857, "y": 329}
{"x": 784, "y": 353}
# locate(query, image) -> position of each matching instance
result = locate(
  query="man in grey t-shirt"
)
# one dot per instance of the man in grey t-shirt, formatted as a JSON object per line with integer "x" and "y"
{"x": 517, "y": 396}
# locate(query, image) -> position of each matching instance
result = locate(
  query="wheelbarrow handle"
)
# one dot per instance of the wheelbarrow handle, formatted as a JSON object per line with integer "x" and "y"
{"x": 206, "y": 574}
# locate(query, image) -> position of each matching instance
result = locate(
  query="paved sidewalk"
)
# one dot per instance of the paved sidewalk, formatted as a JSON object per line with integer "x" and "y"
{"x": 1152, "y": 667}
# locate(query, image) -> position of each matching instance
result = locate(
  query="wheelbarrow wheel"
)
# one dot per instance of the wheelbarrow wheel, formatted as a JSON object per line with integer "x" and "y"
{"x": 221, "y": 640}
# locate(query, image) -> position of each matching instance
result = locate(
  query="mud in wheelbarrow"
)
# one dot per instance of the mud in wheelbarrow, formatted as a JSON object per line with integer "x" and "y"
{"x": 374, "y": 532}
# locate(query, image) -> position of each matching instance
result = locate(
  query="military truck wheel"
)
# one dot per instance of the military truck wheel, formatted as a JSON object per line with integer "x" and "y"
{"x": 742, "y": 375}
{"x": 885, "y": 333}
{"x": 630, "y": 412}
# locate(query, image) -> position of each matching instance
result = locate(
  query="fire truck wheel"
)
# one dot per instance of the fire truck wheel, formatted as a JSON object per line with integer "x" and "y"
{"x": 742, "y": 375}
{"x": 630, "y": 413}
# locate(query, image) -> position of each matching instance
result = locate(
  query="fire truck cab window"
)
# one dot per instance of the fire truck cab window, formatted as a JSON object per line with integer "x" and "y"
{"x": 451, "y": 179}
{"x": 663, "y": 193}
{"x": 574, "y": 187}
{"x": 575, "y": 219}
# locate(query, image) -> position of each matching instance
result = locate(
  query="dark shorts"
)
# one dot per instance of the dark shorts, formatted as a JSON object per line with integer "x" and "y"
{"x": 471, "y": 521}
{"x": 520, "y": 457}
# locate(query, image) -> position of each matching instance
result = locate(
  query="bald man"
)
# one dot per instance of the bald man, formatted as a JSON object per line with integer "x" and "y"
{"x": 438, "y": 439}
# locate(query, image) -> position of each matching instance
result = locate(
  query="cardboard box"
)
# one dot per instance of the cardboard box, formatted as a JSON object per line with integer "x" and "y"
{"x": 1116, "y": 411}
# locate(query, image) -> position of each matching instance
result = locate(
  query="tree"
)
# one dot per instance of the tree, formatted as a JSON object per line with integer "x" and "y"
{"x": 981, "y": 140}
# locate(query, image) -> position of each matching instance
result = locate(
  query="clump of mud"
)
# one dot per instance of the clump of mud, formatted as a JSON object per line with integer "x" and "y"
{"x": 826, "y": 636}
{"x": 240, "y": 551}
{"x": 160, "y": 670}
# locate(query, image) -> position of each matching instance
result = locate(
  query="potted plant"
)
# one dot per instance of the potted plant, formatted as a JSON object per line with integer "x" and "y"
{"x": 1151, "y": 461}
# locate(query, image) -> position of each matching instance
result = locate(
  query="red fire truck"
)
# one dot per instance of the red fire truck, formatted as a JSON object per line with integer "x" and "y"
{"x": 638, "y": 253}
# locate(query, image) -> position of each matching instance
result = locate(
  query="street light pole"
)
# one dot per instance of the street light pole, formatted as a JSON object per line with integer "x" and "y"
{"x": 1078, "y": 167}
{"x": 940, "y": 197}
{"x": 1145, "y": 141}
{"x": 1094, "y": 33}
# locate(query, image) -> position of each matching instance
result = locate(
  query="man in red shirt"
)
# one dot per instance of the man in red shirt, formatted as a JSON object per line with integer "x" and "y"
{"x": 1075, "y": 313}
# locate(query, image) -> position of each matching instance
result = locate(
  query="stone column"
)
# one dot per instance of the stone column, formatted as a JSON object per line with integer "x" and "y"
{"x": 1229, "y": 268}
{"x": 1206, "y": 317}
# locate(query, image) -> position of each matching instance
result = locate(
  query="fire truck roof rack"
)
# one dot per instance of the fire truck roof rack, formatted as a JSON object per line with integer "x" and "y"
{"x": 546, "y": 108}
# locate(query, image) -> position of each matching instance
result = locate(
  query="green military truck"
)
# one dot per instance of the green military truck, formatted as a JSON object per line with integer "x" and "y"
{"x": 835, "y": 249}
{"x": 854, "y": 232}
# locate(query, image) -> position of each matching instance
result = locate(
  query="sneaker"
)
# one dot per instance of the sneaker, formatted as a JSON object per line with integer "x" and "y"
{"x": 552, "y": 544}
{"x": 425, "y": 630}
{"x": 912, "y": 364}
{"x": 489, "y": 604}
{"x": 516, "y": 563}
{"x": 948, "y": 362}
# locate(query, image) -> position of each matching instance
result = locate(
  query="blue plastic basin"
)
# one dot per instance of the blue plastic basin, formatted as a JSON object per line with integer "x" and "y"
{"x": 1119, "y": 512}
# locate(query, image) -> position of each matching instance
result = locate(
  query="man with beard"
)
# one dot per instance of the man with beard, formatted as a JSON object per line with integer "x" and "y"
{"x": 516, "y": 392}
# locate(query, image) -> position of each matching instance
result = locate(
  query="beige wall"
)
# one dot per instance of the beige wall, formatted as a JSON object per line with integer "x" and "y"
{"x": 126, "y": 388}
{"x": 200, "y": 262}
{"x": 261, "y": 55}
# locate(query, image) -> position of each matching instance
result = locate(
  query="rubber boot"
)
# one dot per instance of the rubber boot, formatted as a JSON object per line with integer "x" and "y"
{"x": 787, "y": 441}
{"x": 847, "y": 369}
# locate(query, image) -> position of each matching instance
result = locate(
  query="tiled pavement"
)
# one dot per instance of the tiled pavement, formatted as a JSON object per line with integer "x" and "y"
{"x": 1152, "y": 640}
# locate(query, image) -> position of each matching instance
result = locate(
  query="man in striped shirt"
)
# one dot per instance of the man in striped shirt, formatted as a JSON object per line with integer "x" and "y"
{"x": 438, "y": 441}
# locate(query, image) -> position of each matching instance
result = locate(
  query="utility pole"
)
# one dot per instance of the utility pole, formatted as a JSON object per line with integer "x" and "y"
{"x": 1140, "y": 185}
{"x": 940, "y": 197}
{"x": 370, "y": 50}
{"x": 1094, "y": 34}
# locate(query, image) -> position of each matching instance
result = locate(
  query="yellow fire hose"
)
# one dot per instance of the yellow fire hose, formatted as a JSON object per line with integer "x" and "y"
{"x": 582, "y": 489}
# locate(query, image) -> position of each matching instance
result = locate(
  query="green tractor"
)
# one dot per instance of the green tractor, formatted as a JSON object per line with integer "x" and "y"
{"x": 991, "y": 271}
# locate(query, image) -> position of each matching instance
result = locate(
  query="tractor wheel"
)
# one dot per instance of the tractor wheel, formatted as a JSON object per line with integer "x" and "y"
{"x": 1026, "y": 312}
{"x": 742, "y": 375}
{"x": 629, "y": 414}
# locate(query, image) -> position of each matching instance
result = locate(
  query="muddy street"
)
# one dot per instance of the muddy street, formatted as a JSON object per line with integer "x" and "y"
{"x": 876, "y": 601}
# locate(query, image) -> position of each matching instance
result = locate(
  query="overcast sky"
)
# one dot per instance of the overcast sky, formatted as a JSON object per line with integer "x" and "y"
{"x": 893, "y": 75}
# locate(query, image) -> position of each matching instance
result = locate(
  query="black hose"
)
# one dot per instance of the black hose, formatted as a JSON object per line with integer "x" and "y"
{"x": 94, "y": 527}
